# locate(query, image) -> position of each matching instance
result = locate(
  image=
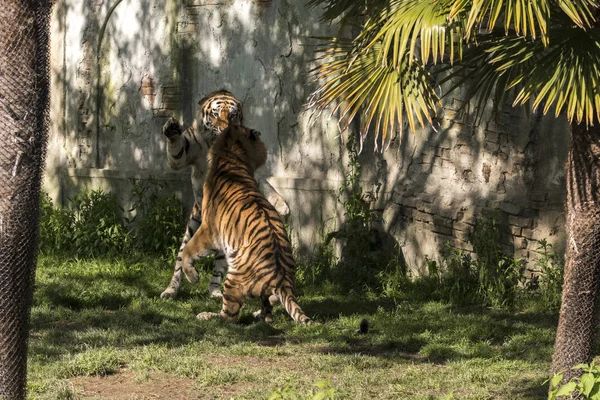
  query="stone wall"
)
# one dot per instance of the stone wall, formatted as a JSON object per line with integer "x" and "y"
{"x": 121, "y": 67}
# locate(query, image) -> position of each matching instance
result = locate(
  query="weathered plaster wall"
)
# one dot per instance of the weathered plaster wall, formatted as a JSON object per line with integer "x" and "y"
{"x": 121, "y": 67}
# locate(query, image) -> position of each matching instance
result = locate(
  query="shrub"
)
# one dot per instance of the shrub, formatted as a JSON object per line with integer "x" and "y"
{"x": 94, "y": 224}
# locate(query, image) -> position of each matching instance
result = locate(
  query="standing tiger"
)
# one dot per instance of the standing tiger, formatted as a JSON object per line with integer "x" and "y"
{"x": 240, "y": 221}
{"x": 190, "y": 148}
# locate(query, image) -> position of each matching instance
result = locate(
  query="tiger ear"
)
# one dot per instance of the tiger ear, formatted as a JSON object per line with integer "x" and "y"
{"x": 253, "y": 134}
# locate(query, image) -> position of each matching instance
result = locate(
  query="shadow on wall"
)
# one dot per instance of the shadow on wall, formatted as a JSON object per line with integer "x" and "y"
{"x": 121, "y": 68}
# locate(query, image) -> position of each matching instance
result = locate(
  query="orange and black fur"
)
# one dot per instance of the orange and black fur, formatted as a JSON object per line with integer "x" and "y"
{"x": 239, "y": 220}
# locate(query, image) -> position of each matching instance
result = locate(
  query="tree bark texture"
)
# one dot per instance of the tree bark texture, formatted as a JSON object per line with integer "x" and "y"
{"x": 24, "y": 87}
{"x": 577, "y": 326}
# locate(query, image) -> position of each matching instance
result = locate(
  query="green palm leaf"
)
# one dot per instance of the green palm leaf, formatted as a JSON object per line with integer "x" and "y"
{"x": 407, "y": 25}
{"x": 567, "y": 77}
{"x": 358, "y": 84}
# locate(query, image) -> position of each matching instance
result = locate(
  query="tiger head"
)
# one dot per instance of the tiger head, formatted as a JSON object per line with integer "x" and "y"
{"x": 245, "y": 143}
{"x": 218, "y": 110}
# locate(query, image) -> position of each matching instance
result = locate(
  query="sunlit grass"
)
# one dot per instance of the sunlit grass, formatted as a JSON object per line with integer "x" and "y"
{"x": 104, "y": 318}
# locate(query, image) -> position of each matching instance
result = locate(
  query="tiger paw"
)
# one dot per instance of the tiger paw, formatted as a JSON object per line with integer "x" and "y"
{"x": 203, "y": 316}
{"x": 171, "y": 128}
{"x": 169, "y": 293}
{"x": 215, "y": 292}
{"x": 268, "y": 318}
{"x": 280, "y": 205}
{"x": 190, "y": 273}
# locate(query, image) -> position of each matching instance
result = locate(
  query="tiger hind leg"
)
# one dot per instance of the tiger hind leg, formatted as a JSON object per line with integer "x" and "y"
{"x": 229, "y": 311}
{"x": 191, "y": 228}
{"x": 265, "y": 312}
{"x": 219, "y": 271}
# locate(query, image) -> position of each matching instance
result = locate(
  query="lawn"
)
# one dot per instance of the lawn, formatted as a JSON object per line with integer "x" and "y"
{"x": 100, "y": 331}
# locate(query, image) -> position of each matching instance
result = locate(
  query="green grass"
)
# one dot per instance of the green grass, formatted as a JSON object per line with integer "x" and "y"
{"x": 101, "y": 324}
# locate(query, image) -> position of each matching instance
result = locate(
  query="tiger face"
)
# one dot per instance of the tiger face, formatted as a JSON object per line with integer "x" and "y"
{"x": 219, "y": 110}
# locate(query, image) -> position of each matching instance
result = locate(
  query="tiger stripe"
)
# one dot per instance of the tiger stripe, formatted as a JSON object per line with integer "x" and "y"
{"x": 242, "y": 222}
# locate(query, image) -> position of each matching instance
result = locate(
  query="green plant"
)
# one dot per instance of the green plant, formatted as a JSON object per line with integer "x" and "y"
{"x": 98, "y": 227}
{"x": 498, "y": 274}
{"x": 323, "y": 391}
{"x": 486, "y": 276}
{"x": 157, "y": 212}
{"x": 551, "y": 275}
{"x": 586, "y": 386}
{"x": 56, "y": 227}
{"x": 359, "y": 264}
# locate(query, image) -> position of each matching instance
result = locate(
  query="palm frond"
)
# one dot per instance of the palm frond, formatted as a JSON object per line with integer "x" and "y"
{"x": 525, "y": 17}
{"x": 581, "y": 12}
{"x": 356, "y": 83}
{"x": 489, "y": 70}
{"x": 414, "y": 26}
{"x": 567, "y": 77}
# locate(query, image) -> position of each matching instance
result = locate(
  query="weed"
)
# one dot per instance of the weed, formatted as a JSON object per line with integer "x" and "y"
{"x": 95, "y": 225}
{"x": 155, "y": 209}
{"x": 322, "y": 391}
{"x": 550, "y": 268}
{"x": 360, "y": 262}
{"x": 586, "y": 386}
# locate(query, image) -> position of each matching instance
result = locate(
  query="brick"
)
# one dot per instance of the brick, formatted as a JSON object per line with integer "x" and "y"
{"x": 528, "y": 233}
{"x": 170, "y": 90}
{"x": 510, "y": 208}
{"x": 170, "y": 106}
{"x": 520, "y": 221}
{"x": 428, "y": 197}
{"x": 185, "y": 27}
{"x": 408, "y": 202}
{"x": 421, "y": 216}
{"x": 462, "y": 226}
{"x": 462, "y": 235}
{"x": 406, "y": 211}
{"x": 520, "y": 243}
{"x": 441, "y": 221}
{"x": 515, "y": 230}
{"x": 521, "y": 254}
{"x": 170, "y": 98}
{"x": 162, "y": 113}
{"x": 424, "y": 207}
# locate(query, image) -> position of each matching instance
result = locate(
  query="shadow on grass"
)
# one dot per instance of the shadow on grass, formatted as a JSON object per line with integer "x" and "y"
{"x": 108, "y": 304}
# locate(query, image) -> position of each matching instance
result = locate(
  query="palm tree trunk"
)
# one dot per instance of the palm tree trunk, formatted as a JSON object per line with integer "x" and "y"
{"x": 576, "y": 333}
{"x": 24, "y": 78}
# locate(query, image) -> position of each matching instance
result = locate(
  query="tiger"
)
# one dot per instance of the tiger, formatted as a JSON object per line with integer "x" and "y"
{"x": 190, "y": 148}
{"x": 238, "y": 219}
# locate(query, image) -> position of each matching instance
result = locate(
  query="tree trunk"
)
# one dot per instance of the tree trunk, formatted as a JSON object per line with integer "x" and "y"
{"x": 576, "y": 332}
{"x": 24, "y": 86}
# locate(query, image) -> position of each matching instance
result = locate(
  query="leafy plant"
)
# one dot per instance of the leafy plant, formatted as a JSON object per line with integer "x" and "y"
{"x": 155, "y": 209}
{"x": 94, "y": 224}
{"x": 551, "y": 275}
{"x": 359, "y": 264}
{"x": 488, "y": 276}
{"x": 323, "y": 391}
{"x": 56, "y": 225}
{"x": 586, "y": 386}
{"x": 498, "y": 273}
{"x": 98, "y": 227}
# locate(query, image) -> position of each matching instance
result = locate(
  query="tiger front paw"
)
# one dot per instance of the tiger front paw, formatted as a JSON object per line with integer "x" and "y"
{"x": 215, "y": 292}
{"x": 172, "y": 128}
{"x": 190, "y": 272}
{"x": 280, "y": 205}
{"x": 169, "y": 293}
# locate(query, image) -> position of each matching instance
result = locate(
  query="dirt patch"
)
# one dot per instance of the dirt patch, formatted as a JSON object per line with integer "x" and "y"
{"x": 124, "y": 386}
